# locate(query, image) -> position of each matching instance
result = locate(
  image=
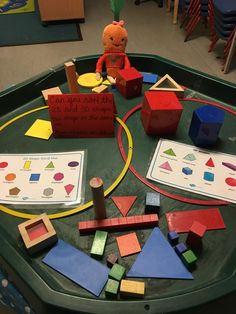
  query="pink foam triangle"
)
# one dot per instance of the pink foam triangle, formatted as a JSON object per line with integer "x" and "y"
{"x": 124, "y": 203}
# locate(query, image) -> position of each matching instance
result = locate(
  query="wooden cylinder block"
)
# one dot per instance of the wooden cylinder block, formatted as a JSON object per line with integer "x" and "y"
{"x": 96, "y": 185}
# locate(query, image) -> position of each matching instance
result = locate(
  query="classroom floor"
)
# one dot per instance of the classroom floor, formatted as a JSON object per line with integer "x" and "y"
{"x": 150, "y": 31}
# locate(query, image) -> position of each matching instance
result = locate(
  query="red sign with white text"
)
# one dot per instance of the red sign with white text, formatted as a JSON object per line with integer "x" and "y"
{"x": 82, "y": 115}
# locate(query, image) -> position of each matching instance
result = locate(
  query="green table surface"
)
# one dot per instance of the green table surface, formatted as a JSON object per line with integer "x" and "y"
{"x": 214, "y": 284}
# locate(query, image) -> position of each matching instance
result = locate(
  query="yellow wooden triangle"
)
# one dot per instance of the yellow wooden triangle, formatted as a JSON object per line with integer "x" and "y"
{"x": 167, "y": 84}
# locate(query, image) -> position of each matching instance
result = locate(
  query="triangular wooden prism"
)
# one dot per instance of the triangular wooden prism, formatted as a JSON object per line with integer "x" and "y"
{"x": 124, "y": 203}
{"x": 170, "y": 86}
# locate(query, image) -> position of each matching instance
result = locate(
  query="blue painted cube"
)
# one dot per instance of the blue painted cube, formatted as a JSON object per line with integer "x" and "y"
{"x": 180, "y": 248}
{"x": 173, "y": 237}
{"x": 205, "y": 125}
{"x": 152, "y": 203}
{"x": 188, "y": 171}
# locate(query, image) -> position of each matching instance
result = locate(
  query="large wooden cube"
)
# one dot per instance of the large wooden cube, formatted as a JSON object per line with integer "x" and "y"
{"x": 129, "y": 82}
{"x": 161, "y": 112}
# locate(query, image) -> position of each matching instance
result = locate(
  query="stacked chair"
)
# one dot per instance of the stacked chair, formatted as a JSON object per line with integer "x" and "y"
{"x": 224, "y": 16}
{"x": 193, "y": 12}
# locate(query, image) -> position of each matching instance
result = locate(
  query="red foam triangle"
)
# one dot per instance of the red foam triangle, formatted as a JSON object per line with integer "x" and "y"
{"x": 124, "y": 203}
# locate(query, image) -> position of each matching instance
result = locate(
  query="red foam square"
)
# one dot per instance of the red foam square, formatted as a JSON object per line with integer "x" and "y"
{"x": 128, "y": 244}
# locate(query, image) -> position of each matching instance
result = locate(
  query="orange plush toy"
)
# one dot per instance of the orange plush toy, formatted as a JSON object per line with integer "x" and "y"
{"x": 114, "y": 40}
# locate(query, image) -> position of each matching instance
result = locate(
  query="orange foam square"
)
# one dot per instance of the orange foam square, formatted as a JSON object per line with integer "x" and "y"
{"x": 128, "y": 244}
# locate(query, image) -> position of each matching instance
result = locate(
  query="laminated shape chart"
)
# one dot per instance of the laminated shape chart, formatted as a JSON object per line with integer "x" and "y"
{"x": 54, "y": 178}
{"x": 194, "y": 169}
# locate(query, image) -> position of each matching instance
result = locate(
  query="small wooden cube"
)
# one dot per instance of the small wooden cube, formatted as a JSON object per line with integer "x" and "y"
{"x": 117, "y": 272}
{"x": 152, "y": 203}
{"x": 180, "y": 248}
{"x": 37, "y": 233}
{"x": 173, "y": 237}
{"x": 129, "y": 82}
{"x": 99, "y": 243}
{"x": 189, "y": 259}
{"x": 112, "y": 288}
{"x": 195, "y": 235}
{"x": 112, "y": 259}
{"x": 132, "y": 288}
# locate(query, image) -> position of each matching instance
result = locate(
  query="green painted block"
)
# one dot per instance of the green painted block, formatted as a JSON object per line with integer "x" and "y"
{"x": 112, "y": 288}
{"x": 189, "y": 258}
{"x": 117, "y": 272}
{"x": 99, "y": 243}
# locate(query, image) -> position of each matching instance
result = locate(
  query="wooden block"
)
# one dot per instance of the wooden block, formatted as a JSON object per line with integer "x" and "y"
{"x": 99, "y": 243}
{"x": 195, "y": 235}
{"x": 51, "y": 91}
{"x": 71, "y": 77}
{"x": 205, "y": 125}
{"x": 180, "y": 248}
{"x": 100, "y": 89}
{"x": 117, "y": 272}
{"x": 152, "y": 203}
{"x": 132, "y": 288}
{"x": 160, "y": 113}
{"x": 167, "y": 84}
{"x": 143, "y": 221}
{"x": 112, "y": 259}
{"x": 96, "y": 185}
{"x": 129, "y": 82}
{"x": 112, "y": 288}
{"x": 173, "y": 237}
{"x": 37, "y": 233}
{"x": 189, "y": 259}
{"x": 128, "y": 244}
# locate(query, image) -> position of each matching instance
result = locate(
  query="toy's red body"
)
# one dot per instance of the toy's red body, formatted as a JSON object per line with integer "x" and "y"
{"x": 113, "y": 62}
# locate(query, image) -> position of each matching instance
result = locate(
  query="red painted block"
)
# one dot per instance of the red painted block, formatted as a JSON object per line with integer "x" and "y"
{"x": 143, "y": 221}
{"x": 129, "y": 82}
{"x": 195, "y": 235}
{"x": 161, "y": 112}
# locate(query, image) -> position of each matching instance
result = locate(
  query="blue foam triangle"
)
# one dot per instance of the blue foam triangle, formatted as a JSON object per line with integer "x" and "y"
{"x": 77, "y": 266}
{"x": 158, "y": 260}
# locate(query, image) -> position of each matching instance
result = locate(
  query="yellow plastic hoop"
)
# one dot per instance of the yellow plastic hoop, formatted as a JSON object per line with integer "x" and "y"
{"x": 88, "y": 204}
